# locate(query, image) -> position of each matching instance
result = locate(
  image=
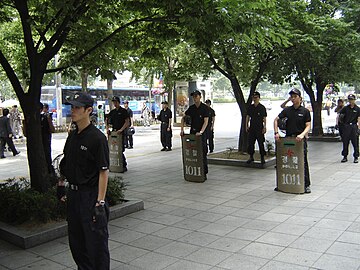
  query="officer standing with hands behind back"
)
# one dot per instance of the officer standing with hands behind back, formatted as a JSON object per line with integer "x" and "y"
{"x": 85, "y": 166}
{"x": 165, "y": 118}
{"x": 350, "y": 116}
{"x": 298, "y": 125}
{"x": 119, "y": 121}
{"x": 199, "y": 115}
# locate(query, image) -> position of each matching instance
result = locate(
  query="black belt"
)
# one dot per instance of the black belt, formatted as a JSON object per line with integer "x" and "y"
{"x": 81, "y": 187}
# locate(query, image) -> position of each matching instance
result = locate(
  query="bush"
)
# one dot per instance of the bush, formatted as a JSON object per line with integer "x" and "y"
{"x": 19, "y": 203}
{"x": 115, "y": 190}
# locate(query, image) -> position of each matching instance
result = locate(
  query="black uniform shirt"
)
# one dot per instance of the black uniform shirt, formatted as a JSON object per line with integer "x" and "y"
{"x": 130, "y": 113}
{"x": 197, "y": 115}
{"x": 297, "y": 119}
{"x": 164, "y": 116}
{"x": 117, "y": 118}
{"x": 350, "y": 114}
{"x": 257, "y": 114}
{"x": 211, "y": 116}
{"x": 85, "y": 155}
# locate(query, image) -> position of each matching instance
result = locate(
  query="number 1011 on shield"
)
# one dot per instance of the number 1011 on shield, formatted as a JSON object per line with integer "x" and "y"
{"x": 192, "y": 170}
{"x": 291, "y": 179}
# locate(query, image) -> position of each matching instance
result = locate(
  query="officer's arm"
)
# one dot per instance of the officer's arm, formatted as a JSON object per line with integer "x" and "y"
{"x": 103, "y": 181}
{"x": 213, "y": 122}
{"x": 358, "y": 122}
{"x": 264, "y": 124}
{"x": 126, "y": 124}
{"x": 247, "y": 123}
{"x": 206, "y": 121}
{"x": 305, "y": 132}
{"x": 276, "y": 129}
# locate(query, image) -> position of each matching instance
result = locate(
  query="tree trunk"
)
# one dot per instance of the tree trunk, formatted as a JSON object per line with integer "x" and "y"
{"x": 84, "y": 80}
{"x": 110, "y": 92}
{"x": 39, "y": 175}
{"x": 317, "y": 121}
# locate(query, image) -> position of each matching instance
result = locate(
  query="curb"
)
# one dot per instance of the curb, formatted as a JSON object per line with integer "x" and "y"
{"x": 242, "y": 163}
{"x": 24, "y": 238}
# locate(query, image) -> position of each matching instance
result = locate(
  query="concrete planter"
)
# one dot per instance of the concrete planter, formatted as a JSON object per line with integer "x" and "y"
{"x": 241, "y": 163}
{"x": 27, "y": 238}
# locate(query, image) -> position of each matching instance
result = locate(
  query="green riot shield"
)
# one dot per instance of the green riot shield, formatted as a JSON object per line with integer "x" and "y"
{"x": 115, "y": 155}
{"x": 290, "y": 165}
{"x": 192, "y": 158}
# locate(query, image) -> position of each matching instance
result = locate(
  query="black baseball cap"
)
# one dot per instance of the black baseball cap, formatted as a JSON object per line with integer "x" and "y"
{"x": 256, "y": 93}
{"x": 351, "y": 96}
{"x": 81, "y": 99}
{"x": 115, "y": 98}
{"x": 208, "y": 101}
{"x": 196, "y": 93}
{"x": 165, "y": 102}
{"x": 295, "y": 91}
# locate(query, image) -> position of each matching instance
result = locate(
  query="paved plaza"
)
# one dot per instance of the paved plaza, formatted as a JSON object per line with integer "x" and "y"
{"x": 234, "y": 220}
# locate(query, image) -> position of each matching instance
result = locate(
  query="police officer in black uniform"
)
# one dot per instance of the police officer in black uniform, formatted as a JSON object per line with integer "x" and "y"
{"x": 297, "y": 125}
{"x": 47, "y": 128}
{"x": 210, "y": 126}
{"x": 119, "y": 120}
{"x": 350, "y": 116}
{"x": 85, "y": 166}
{"x": 165, "y": 117}
{"x": 256, "y": 115}
{"x": 199, "y": 115}
{"x": 129, "y": 140}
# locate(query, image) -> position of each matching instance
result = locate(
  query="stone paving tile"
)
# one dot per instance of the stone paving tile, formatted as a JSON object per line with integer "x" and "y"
{"x": 125, "y": 222}
{"x": 350, "y": 237}
{"x": 261, "y": 250}
{"x": 153, "y": 261}
{"x": 323, "y": 233}
{"x": 333, "y": 224}
{"x": 125, "y": 236}
{"x": 150, "y": 242}
{"x": 43, "y": 265}
{"x": 279, "y": 239}
{"x": 209, "y": 217}
{"x": 245, "y": 213}
{"x": 345, "y": 249}
{"x": 332, "y": 262}
{"x": 177, "y": 249}
{"x": 298, "y": 256}
{"x": 199, "y": 238}
{"x": 191, "y": 224}
{"x": 275, "y": 217}
{"x": 232, "y": 221}
{"x": 64, "y": 258}
{"x": 354, "y": 227}
{"x": 342, "y": 216}
{"x": 228, "y": 244}
{"x": 275, "y": 265}
{"x": 126, "y": 253}
{"x": 187, "y": 265}
{"x": 184, "y": 212}
{"x": 293, "y": 229}
{"x": 208, "y": 256}
{"x": 172, "y": 233}
{"x": 147, "y": 227}
{"x": 218, "y": 229}
{"x": 285, "y": 210}
{"x": 246, "y": 234}
{"x": 19, "y": 259}
{"x": 260, "y": 225}
{"x": 246, "y": 262}
{"x": 308, "y": 243}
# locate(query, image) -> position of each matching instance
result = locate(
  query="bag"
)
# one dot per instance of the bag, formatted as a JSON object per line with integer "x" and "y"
{"x": 282, "y": 124}
{"x": 130, "y": 131}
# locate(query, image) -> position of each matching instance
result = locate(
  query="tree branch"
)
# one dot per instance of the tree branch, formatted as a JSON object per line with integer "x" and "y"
{"x": 11, "y": 75}
{"x": 216, "y": 65}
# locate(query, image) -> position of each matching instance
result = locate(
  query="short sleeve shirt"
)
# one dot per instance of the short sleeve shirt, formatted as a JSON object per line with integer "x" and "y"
{"x": 165, "y": 115}
{"x": 296, "y": 119}
{"x": 86, "y": 154}
{"x": 197, "y": 115}
{"x": 350, "y": 114}
{"x": 257, "y": 114}
{"x": 211, "y": 116}
{"x": 117, "y": 118}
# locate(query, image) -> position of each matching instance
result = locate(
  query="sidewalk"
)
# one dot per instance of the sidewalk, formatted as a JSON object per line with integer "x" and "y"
{"x": 234, "y": 220}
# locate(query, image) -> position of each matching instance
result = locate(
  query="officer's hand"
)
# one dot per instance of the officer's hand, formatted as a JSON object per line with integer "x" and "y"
{"x": 118, "y": 132}
{"x": 168, "y": 129}
{"x": 264, "y": 131}
{"x": 108, "y": 132}
{"x": 299, "y": 138}
{"x": 277, "y": 137}
{"x": 99, "y": 216}
{"x": 198, "y": 134}
{"x": 61, "y": 193}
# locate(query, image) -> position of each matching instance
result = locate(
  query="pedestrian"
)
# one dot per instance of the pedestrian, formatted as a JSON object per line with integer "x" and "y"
{"x": 118, "y": 121}
{"x": 256, "y": 116}
{"x": 297, "y": 125}
{"x": 6, "y": 134}
{"x": 210, "y": 126}
{"x": 165, "y": 118}
{"x": 85, "y": 166}
{"x": 129, "y": 140}
{"x": 328, "y": 105}
{"x": 339, "y": 121}
{"x": 15, "y": 122}
{"x": 199, "y": 115}
{"x": 100, "y": 118}
{"x": 47, "y": 128}
{"x": 145, "y": 115}
{"x": 350, "y": 116}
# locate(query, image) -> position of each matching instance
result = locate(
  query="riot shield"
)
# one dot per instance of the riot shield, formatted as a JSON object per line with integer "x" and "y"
{"x": 192, "y": 154}
{"x": 290, "y": 165}
{"x": 115, "y": 155}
